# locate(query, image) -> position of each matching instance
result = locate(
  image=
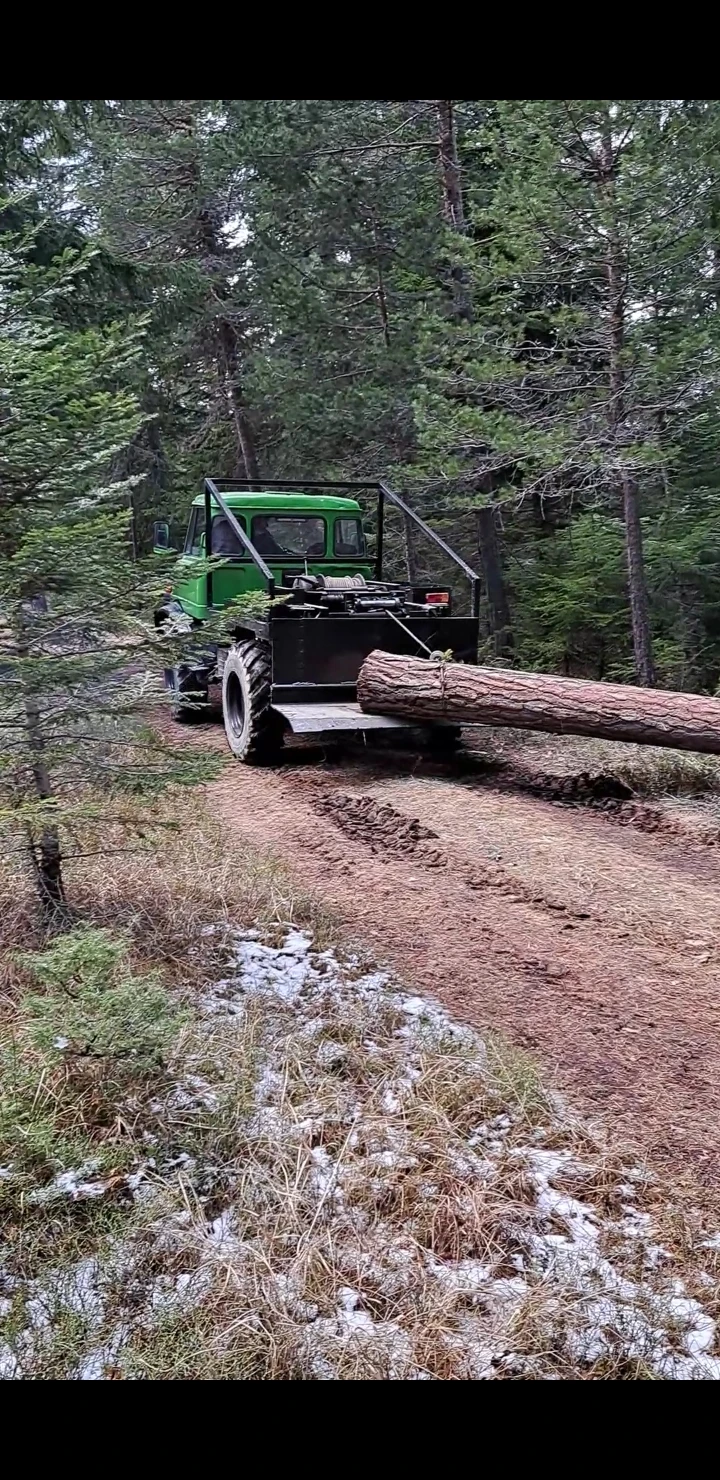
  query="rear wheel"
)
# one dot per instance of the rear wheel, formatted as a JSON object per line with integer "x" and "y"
{"x": 253, "y": 730}
{"x": 188, "y": 693}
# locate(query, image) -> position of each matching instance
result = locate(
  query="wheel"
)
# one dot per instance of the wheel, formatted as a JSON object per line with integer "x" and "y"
{"x": 187, "y": 691}
{"x": 253, "y": 730}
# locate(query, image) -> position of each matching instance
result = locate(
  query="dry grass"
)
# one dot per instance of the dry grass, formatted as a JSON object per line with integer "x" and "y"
{"x": 335, "y": 1181}
{"x": 649, "y": 770}
{"x": 162, "y": 890}
{"x": 385, "y": 1217}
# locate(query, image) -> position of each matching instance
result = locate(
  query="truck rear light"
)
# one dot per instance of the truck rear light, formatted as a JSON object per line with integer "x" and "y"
{"x": 437, "y": 598}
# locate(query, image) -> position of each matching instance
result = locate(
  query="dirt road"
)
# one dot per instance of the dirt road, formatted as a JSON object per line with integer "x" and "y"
{"x": 592, "y": 944}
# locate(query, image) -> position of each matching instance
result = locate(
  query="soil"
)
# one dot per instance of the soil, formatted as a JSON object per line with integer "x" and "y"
{"x": 592, "y": 944}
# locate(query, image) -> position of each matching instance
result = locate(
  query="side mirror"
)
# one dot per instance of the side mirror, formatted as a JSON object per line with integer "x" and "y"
{"x": 161, "y": 535}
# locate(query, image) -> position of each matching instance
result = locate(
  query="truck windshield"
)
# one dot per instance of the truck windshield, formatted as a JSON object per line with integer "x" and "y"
{"x": 287, "y": 534}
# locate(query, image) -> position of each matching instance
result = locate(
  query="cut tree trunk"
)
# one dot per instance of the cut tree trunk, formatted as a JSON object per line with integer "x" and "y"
{"x": 419, "y": 689}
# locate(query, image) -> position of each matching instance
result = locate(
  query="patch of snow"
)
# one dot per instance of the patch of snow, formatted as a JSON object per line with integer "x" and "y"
{"x": 463, "y": 1277}
{"x": 221, "y": 1236}
{"x": 73, "y": 1184}
{"x": 9, "y": 1364}
{"x": 193, "y": 1093}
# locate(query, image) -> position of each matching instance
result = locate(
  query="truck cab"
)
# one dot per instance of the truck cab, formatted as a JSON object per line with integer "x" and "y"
{"x": 296, "y": 534}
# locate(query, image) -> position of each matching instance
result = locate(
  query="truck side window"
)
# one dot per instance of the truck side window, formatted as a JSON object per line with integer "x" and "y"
{"x": 224, "y": 538}
{"x": 195, "y": 529}
{"x": 349, "y": 537}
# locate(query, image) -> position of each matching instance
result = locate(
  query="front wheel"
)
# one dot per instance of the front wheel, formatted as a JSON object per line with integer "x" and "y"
{"x": 253, "y": 729}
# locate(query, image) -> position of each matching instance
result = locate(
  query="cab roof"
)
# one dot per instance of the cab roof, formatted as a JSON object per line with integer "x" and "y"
{"x": 295, "y": 503}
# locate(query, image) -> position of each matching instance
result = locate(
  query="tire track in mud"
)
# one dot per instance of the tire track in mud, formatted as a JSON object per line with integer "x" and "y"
{"x": 383, "y": 828}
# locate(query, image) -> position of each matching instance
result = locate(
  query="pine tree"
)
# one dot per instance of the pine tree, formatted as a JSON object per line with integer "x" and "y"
{"x": 590, "y": 249}
{"x": 165, "y": 177}
{"x": 70, "y": 596}
{"x": 509, "y": 306}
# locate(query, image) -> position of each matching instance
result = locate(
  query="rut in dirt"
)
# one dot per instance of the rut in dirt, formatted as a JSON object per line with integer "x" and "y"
{"x": 591, "y": 944}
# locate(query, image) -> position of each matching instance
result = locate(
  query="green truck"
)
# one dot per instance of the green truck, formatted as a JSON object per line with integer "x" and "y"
{"x": 291, "y": 665}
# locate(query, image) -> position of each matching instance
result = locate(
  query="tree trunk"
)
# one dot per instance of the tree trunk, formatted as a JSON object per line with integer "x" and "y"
{"x": 498, "y": 608}
{"x": 616, "y": 275}
{"x": 450, "y": 165}
{"x": 454, "y": 213}
{"x": 381, "y": 292}
{"x": 410, "y": 543}
{"x": 241, "y": 420}
{"x": 637, "y": 586}
{"x": 212, "y": 245}
{"x": 421, "y": 689}
{"x": 453, "y": 206}
{"x": 44, "y": 845}
{"x": 43, "y": 840}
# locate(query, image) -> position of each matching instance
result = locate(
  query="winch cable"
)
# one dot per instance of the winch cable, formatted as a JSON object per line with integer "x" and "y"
{"x": 414, "y": 635}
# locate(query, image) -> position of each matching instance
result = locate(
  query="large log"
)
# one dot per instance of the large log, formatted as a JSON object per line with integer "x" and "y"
{"x": 430, "y": 689}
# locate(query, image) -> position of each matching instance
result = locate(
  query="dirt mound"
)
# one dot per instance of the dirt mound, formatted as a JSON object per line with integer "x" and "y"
{"x": 380, "y": 826}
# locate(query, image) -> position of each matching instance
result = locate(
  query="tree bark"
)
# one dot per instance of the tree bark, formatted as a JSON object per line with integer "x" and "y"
{"x": 421, "y": 689}
{"x": 411, "y": 556}
{"x": 616, "y": 275}
{"x": 43, "y": 839}
{"x": 241, "y": 420}
{"x": 452, "y": 196}
{"x": 498, "y": 607}
{"x": 637, "y": 585}
{"x": 450, "y": 165}
{"x": 454, "y": 213}
{"x": 382, "y": 301}
{"x": 44, "y": 845}
{"x": 211, "y": 243}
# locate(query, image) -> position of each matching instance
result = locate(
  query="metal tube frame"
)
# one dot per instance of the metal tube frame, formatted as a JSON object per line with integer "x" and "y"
{"x": 213, "y": 495}
{"x": 383, "y": 492}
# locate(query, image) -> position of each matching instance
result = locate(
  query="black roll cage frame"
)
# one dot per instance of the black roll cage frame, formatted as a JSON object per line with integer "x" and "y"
{"x": 211, "y": 490}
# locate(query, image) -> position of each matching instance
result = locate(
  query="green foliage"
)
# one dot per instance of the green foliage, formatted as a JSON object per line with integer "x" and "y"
{"x": 294, "y": 277}
{"x": 41, "y": 1136}
{"x": 93, "y": 1005}
{"x": 70, "y": 1056}
{"x": 78, "y": 652}
{"x": 571, "y": 600}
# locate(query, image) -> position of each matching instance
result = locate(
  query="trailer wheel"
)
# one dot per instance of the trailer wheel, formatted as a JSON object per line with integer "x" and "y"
{"x": 254, "y": 731}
